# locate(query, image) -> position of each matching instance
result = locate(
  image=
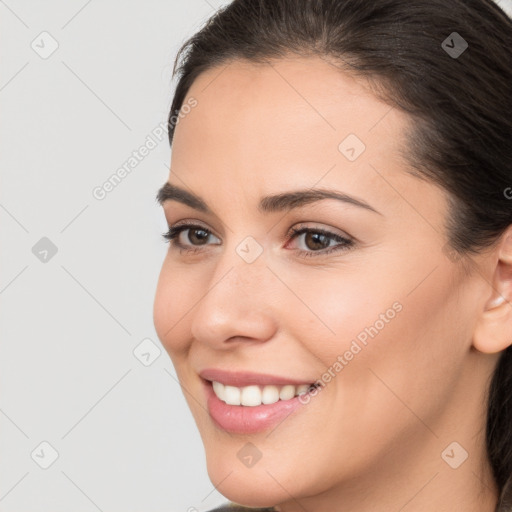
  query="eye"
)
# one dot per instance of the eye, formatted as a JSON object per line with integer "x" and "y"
{"x": 317, "y": 240}
{"x": 196, "y": 233}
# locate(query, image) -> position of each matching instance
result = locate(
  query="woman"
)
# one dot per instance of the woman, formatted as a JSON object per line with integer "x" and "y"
{"x": 337, "y": 294}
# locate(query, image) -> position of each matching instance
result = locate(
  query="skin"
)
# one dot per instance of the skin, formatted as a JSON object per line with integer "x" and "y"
{"x": 372, "y": 439}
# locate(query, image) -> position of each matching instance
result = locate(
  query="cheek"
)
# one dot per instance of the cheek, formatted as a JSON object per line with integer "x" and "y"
{"x": 170, "y": 309}
{"x": 377, "y": 333}
{"x": 327, "y": 309}
{"x": 390, "y": 306}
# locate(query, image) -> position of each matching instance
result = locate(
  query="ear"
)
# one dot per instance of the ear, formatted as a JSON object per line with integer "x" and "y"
{"x": 493, "y": 332}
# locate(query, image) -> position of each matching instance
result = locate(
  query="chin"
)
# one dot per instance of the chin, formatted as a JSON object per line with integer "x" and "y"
{"x": 245, "y": 486}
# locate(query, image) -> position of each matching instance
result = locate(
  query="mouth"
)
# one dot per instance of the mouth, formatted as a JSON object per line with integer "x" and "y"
{"x": 247, "y": 403}
{"x": 255, "y": 395}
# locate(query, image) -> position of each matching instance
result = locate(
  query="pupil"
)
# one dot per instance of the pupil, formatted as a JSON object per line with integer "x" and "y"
{"x": 316, "y": 237}
{"x": 205, "y": 235}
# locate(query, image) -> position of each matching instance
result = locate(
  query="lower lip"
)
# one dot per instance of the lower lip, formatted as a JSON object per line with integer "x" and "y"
{"x": 240, "y": 419}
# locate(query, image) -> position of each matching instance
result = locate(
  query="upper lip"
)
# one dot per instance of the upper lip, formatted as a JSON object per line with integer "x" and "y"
{"x": 242, "y": 378}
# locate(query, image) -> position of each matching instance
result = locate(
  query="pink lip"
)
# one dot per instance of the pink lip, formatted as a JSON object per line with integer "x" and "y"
{"x": 241, "y": 379}
{"x": 239, "y": 419}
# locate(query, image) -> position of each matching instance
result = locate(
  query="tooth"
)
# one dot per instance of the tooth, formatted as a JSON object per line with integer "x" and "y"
{"x": 270, "y": 395}
{"x": 303, "y": 388}
{"x": 251, "y": 396}
{"x": 218, "y": 387}
{"x": 232, "y": 395}
{"x": 287, "y": 392}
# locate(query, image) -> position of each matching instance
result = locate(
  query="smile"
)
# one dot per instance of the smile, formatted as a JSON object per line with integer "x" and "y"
{"x": 252, "y": 396}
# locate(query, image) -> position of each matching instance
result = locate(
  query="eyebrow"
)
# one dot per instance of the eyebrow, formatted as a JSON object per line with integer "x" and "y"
{"x": 274, "y": 203}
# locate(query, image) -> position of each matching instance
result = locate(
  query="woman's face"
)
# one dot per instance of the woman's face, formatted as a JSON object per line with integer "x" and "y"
{"x": 381, "y": 316}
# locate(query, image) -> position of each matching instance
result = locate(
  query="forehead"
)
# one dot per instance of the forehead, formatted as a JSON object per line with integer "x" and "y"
{"x": 279, "y": 93}
{"x": 260, "y": 127}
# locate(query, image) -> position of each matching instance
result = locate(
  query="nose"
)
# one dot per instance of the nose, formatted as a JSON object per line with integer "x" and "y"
{"x": 236, "y": 305}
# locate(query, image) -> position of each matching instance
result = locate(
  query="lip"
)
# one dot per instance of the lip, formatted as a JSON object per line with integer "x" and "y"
{"x": 240, "y": 379}
{"x": 239, "y": 419}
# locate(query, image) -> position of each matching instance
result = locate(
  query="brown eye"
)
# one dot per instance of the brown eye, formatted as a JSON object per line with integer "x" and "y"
{"x": 318, "y": 241}
{"x": 195, "y": 238}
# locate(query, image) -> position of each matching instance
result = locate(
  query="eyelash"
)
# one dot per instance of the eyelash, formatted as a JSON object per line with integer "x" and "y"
{"x": 345, "y": 243}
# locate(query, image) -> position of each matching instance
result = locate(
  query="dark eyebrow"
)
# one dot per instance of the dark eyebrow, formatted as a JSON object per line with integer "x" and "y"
{"x": 274, "y": 203}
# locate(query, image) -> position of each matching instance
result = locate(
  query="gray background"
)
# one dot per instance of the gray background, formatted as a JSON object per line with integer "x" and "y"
{"x": 72, "y": 373}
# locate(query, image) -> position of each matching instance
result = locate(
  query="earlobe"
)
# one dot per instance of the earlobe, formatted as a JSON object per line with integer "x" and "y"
{"x": 493, "y": 331}
{"x": 494, "y": 303}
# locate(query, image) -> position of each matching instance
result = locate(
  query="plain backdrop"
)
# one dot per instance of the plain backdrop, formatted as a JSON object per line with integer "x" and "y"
{"x": 91, "y": 415}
